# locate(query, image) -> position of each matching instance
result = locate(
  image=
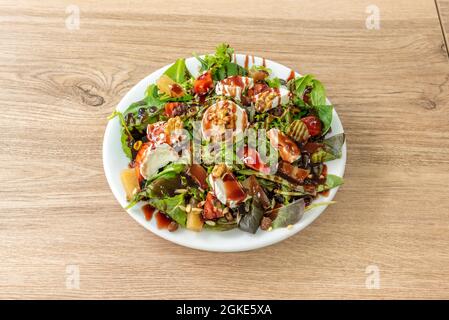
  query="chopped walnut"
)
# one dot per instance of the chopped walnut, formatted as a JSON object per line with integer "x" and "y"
{"x": 219, "y": 170}
{"x": 222, "y": 116}
{"x": 265, "y": 100}
{"x": 172, "y": 125}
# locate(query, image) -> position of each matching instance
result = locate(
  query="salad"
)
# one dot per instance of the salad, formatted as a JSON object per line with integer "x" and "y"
{"x": 235, "y": 147}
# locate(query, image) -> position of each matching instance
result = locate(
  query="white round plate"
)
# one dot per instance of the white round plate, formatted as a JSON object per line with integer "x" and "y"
{"x": 114, "y": 161}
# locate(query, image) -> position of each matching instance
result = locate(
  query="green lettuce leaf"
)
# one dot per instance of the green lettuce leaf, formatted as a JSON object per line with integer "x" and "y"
{"x": 222, "y": 56}
{"x": 125, "y": 147}
{"x": 250, "y": 221}
{"x": 317, "y": 99}
{"x": 172, "y": 207}
{"x": 173, "y": 169}
{"x": 289, "y": 214}
{"x": 273, "y": 82}
{"x": 220, "y": 63}
{"x": 331, "y": 149}
{"x": 334, "y": 144}
{"x": 325, "y": 114}
{"x": 318, "y": 204}
{"x": 318, "y": 94}
{"x": 178, "y": 72}
{"x": 152, "y": 96}
{"x": 332, "y": 181}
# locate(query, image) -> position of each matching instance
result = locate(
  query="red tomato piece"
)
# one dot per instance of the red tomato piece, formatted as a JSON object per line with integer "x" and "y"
{"x": 173, "y": 109}
{"x": 210, "y": 209}
{"x": 313, "y": 125}
{"x": 203, "y": 83}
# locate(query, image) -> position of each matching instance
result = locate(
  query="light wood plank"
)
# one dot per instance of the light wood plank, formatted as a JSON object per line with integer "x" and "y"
{"x": 443, "y": 12}
{"x": 390, "y": 87}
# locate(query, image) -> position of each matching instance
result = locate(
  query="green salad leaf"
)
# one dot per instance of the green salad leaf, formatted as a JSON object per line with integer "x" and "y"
{"x": 165, "y": 186}
{"x": 223, "y": 54}
{"x": 332, "y": 181}
{"x": 298, "y": 86}
{"x": 220, "y": 63}
{"x": 273, "y": 178}
{"x": 171, "y": 170}
{"x": 232, "y": 69}
{"x": 178, "y": 72}
{"x": 250, "y": 221}
{"x": 152, "y": 96}
{"x": 289, "y": 214}
{"x": 334, "y": 144}
{"x": 318, "y": 204}
{"x": 318, "y": 93}
{"x": 261, "y": 68}
{"x": 134, "y": 121}
{"x": 172, "y": 207}
{"x": 126, "y": 137}
{"x": 125, "y": 143}
{"x": 325, "y": 114}
{"x": 331, "y": 149}
{"x": 273, "y": 82}
{"x": 315, "y": 88}
{"x": 221, "y": 225}
{"x": 316, "y": 101}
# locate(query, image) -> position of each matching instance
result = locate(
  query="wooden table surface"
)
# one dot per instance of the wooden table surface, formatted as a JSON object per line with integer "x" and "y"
{"x": 390, "y": 86}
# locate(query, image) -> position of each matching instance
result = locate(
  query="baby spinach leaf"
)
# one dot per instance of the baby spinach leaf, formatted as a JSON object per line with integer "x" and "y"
{"x": 300, "y": 84}
{"x": 325, "y": 114}
{"x": 233, "y": 69}
{"x": 229, "y": 69}
{"x": 289, "y": 214}
{"x": 172, "y": 207}
{"x": 125, "y": 144}
{"x": 332, "y": 181}
{"x": 219, "y": 74}
{"x": 169, "y": 170}
{"x": 318, "y": 94}
{"x": 317, "y": 98}
{"x": 178, "y": 72}
{"x": 250, "y": 221}
{"x": 321, "y": 156}
{"x": 165, "y": 186}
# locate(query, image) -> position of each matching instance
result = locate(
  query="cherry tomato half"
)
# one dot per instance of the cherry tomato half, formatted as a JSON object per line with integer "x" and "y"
{"x": 203, "y": 83}
{"x": 211, "y": 208}
{"x": 313, "y": 124}
{"x": 173, "y": 109}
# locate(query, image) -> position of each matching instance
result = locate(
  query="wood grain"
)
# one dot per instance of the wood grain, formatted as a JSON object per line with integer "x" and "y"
{"x": 443, "y": 13}
{"x": 390, "y": 87}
